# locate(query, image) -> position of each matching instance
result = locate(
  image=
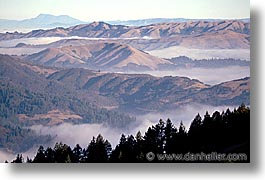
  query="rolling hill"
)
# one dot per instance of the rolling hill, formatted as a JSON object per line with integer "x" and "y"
{"x": 99, "y": 55}
{"x": 140, "y": 93}
{"x": 231, "y": 92}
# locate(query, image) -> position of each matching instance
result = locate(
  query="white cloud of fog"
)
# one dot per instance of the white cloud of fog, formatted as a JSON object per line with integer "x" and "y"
{"x": 47, "y": 40}
{"x": 82, "y": 134}
{"x": 14, "y": 29}
{"x": 70, "y": 134}
{"x": 32, "y": 41}
{"x": 176, "y": 51}
{"x": 6, "y": 156}
{"x": 184, "y": 113}
{"x": 207, "y": 75}
{"x": 20, "y": 51}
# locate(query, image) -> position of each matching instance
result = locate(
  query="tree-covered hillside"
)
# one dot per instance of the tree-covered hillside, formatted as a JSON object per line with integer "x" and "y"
{"x": 27, "y": 93}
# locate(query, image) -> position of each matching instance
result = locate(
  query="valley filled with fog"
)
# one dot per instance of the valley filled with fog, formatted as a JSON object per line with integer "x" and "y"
{"x": 209, "y": 76}
{"x": 198, "y": 54}
{"x": 47, "y": 40}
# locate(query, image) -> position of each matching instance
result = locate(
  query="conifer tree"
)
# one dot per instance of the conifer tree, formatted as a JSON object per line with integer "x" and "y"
{"x": 40, "y": 156}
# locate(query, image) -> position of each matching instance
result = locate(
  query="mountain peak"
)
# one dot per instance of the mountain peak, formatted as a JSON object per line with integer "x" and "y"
{"x": 43, "y": 15}
{"x": 49, "y": 19}
{"x": 50, "y": 15}
{"x": 99, "y": 23}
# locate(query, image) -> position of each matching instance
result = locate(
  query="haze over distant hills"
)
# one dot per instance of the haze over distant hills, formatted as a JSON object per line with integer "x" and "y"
{"x": 52, "y": 21}
{"x": 41, "y": 21}
{"x": 144, "y": 22}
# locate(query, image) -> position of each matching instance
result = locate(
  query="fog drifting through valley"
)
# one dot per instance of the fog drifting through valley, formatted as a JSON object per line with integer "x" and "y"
{"x": 72, "y": 134}
{"x": 82, "y": 134}
{"x": 47, "y": 40}
{"x": 198, "y": 54}
{"x": 209, "y": 76}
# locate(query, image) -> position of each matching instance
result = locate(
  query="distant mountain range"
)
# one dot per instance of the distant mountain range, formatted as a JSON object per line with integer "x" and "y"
{"x": 229, "y": 34}
{"x": 41, "y": 21}
{"x": 162, "y": 30}
{"x": 50, "y": 21}
{"x": 144, "y": 22}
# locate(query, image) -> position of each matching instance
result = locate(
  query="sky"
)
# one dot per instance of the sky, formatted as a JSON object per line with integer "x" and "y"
{"x": 95, "y": 10}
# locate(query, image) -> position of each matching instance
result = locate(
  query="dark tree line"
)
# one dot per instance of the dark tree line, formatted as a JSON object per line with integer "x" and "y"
{"x": 226, "y": 132}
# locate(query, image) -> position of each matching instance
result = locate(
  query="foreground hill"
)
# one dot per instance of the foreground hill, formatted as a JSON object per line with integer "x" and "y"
{"x": 99, "y": 55}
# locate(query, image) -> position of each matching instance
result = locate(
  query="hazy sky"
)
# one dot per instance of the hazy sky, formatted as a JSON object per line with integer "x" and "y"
{"x": 92, "y": 10}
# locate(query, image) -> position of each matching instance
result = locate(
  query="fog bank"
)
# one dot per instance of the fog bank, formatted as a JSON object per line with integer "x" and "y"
{"x": 176, "y": 51}
{"x": 209, "y": 76}
{"x": 82, "y": 134}
{"x": 47, "y": 40}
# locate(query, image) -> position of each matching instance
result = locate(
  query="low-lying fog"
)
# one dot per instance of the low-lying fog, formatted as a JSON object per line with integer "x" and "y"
{"x": 31, "y": 41}
{"x": 82, "y": 134}
{"x": 47, "y": 40}
{"x": 20, "y": 51}
{"x": 209, "y": 76}
{"x": 176, "y": 51}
